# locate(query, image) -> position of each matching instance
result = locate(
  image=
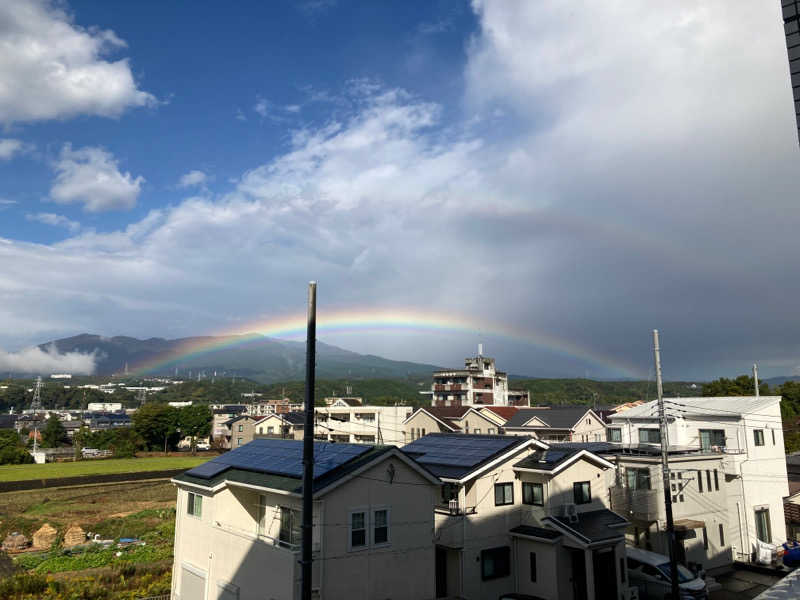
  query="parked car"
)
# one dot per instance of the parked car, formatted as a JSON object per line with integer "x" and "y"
{"x": 649, "y": 571}
{"x": 203, "y": 446}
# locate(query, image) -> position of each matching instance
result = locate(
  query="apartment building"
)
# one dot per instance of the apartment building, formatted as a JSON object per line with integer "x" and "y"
{"x": 729, "y": 478}
{"x": 478, "y": 383}
{"x": 558, "y": 424}
{"x": 357, "y": 424}
{"x": 237, "y": 528}
{"x": 222, "y": 414}
{"x": 516, "y": 516}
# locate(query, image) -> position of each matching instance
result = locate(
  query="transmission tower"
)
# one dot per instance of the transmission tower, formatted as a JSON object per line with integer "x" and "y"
{"x": 141, "y": 397}
{"x": 36, "y": 404}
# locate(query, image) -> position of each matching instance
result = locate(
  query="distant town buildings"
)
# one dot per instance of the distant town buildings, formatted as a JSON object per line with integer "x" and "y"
{"x": 357, "y": 424}
{"x": 479, "y": 383}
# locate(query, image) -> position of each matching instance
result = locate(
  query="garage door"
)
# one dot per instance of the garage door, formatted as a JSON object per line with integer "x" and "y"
{"x": 193, "y": 585}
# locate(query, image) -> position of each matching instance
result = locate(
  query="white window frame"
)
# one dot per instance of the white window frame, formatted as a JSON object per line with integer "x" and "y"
{"x": 191, "y": 514}
{"x": 359, "y": 509}
{"x": 372, "y": 522}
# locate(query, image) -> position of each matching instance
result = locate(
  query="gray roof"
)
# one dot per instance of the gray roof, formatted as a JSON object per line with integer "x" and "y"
{"x": 539, "y": 532}
{"x": 295, "y": 418}
{"x": 592, "y": 526}
{"x": 546, "y": 460}
{"x": 713, "y": 406}
{"x": 564, "y": 417}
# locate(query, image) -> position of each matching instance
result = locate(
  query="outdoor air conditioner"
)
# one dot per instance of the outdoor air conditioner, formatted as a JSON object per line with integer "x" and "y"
{"x": 570, "y": 512}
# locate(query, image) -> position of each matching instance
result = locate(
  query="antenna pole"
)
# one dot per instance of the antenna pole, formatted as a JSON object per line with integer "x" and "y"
{"x": 673, "y": 561}
{"x": 755, "y": 379}
{"x": 308, "y": 446}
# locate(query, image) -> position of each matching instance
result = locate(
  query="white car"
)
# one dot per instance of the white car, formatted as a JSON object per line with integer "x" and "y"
{"x": 649, "y": 571}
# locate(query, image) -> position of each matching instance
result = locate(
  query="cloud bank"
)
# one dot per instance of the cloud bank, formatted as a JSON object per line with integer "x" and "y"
{"x": 36, "y": 360}
{"x": 53, "y": 69}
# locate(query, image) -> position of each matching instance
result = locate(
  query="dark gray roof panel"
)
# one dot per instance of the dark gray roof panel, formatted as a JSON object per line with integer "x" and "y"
{"x": 455, "y": 455}
{"x": 546, "y": 460}
{"x": 539, "y": 532}
{"x": 556, "y": 418}
{"x": 594, "y": 525}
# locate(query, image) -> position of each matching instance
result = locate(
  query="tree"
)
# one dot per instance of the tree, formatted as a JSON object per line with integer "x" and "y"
{"x": 53, "y": 432}
{"x": 80, "y": 438}
{"x": 12, "y": 449}
{"x": 743, "y": 385}
{"x": 157, "y": 424}
{"x": 195, "y": 421}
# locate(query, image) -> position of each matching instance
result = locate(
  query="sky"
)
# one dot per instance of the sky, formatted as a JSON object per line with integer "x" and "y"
{"x": 554, "y": 181}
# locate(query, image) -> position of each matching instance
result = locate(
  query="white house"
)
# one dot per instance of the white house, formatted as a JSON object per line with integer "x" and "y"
{"x": 516, "y": 516}
{"x": 558, "y": 424}
{"x": 742, "y": 438}
{"x": 237, "y": 532}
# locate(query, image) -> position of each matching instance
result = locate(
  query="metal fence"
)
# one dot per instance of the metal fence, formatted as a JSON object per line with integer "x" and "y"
{"x": 162, "y": 597}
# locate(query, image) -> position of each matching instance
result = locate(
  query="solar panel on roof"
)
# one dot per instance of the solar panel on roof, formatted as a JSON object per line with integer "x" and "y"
{"x": 281, "y": 457}
{"x": 456, "y": 451}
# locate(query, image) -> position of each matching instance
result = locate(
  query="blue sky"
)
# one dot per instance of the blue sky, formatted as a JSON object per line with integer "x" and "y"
{"x": 575, "y": 177}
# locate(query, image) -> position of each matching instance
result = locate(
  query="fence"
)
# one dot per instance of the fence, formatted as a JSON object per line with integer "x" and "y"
{"x": 162, "y": 597}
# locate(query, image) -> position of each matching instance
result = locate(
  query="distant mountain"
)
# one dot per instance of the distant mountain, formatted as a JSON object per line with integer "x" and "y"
{"x": 257, "y": 357}
{"x": 775, "y": 381}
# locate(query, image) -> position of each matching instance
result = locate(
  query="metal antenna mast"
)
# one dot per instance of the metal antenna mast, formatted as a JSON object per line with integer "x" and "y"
{"x": 36, "y": 403}
{"x": 755, "y": 379}
{"x": 673, "y": 561}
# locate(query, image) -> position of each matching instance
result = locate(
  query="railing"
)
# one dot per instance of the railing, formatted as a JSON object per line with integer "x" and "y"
{"x": 639, "y": 504}
{"x": 453, "y": 509}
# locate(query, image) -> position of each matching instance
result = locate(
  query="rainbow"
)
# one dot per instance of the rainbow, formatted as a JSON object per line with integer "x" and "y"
{"x": 384, "y": 320}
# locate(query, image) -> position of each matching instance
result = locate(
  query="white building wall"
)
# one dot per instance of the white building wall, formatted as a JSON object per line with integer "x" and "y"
{"x": 388, "y": 420}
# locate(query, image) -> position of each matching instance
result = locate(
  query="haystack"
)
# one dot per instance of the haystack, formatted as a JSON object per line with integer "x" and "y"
{"x": 15, "y": 541}
{"x": 74, "y": 536}
{"x": 45, "y": 536}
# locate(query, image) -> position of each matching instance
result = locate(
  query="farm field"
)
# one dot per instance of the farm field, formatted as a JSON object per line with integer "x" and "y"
{"x": 98, "y": 467}
{"x": 141, "y": 510}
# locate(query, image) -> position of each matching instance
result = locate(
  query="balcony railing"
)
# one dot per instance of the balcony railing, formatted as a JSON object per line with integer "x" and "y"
{"x": 453, "y": 509}
{"x": 642, "y": 505}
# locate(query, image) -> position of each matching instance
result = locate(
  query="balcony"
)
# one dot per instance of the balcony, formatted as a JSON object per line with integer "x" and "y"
{"x": 448, "y": 518}
{"x": 642, "y": 505}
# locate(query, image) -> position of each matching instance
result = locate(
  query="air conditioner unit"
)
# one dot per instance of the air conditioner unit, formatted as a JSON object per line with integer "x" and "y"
{"x": 570, "y": 512}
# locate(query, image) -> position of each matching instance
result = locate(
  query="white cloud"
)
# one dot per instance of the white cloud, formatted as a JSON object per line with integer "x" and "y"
{"x": 261, "y": 107}
{"x": 52, "y": 68}
{"x": 5, "y": 203}
{"x": 91, "y": 176}
{"x": 193, "y": 178}
{"x": 49, "y": 360}
{"x": 9, "y": 147}
{"x": 54, "y": 220}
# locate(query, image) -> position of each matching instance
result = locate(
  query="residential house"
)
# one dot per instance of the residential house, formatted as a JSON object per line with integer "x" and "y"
{"x": 222, "y": 414}
{"x": 449, "y": 419}
{"x": 498, "y": 414}
{"x": 358, "y": 424}
{"x": 478, "y": 383}
{"x": 237, "y": 529}
{"x": 289, "y": 425}
{"x": 348, "y": 400}
{"x": 730, "y": 454}
{"x": 239, "y": 431}
{"x": 516, "y": 515}
{"x": 558, "y": 424}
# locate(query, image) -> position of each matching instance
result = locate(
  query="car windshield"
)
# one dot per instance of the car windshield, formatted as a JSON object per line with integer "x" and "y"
{"x": 684, "y": 574}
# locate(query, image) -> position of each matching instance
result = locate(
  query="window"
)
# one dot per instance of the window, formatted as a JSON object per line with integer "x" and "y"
{"x": 716, "y": 480}
{"x": 721, "y": 536}
{"x": 476, "y": 431}
{"x": 700, "y": 481}
{"x": 380, "y": 526}
{"x": 614, "y": 434}
{"x": 270, "y": 429}
{"x": 773, "y": 437}
{"x": 490, "y": 431}
{"x": 705, "y": 539}
{"x": 588, "y": 421}
{"x": 582, "y": 492}
{"x": 758, "y": 437}
{"x": 449, "y": 492}
{"x": 532, "y": 493}
{"x": 358, "y": 530}
{"x": 649, "y": 436}
{"x": 763, "y": 531}
{"x": 711, "y": 437}
{"x": 533, "y": 566}
{"x": 239, "y": 441}
{"x": 495, "y": 563}
{"x": 194, "y": 505}
{"x": 708, "y": 479}
{"x": 503, "y": 494}
{"x": 423, "y": 432}
{"x": 241, "y": 427}
{"x": 638, "y": 479}
{"x": 290, "y": 532}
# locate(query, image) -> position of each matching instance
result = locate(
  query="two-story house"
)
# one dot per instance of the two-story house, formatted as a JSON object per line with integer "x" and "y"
{"x": 239, "y": 431}
{"x": 290, "y": 425}
{"x": 449, "y": 419}
{"x": 517, "y": 516}
{"x": 558, "y": 424}
{"x": 238, "y": 534}
{"x": 729, "y": 452}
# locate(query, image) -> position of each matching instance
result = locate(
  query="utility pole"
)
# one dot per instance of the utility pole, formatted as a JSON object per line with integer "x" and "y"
{"x": 755, "y": 379}
{"x": 308, "y": 446}
{"x": 673, "y": 561}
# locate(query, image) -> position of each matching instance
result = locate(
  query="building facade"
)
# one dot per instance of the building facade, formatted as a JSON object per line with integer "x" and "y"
{"x": 479, "y": 383}
{"x": 359, "y": 424}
